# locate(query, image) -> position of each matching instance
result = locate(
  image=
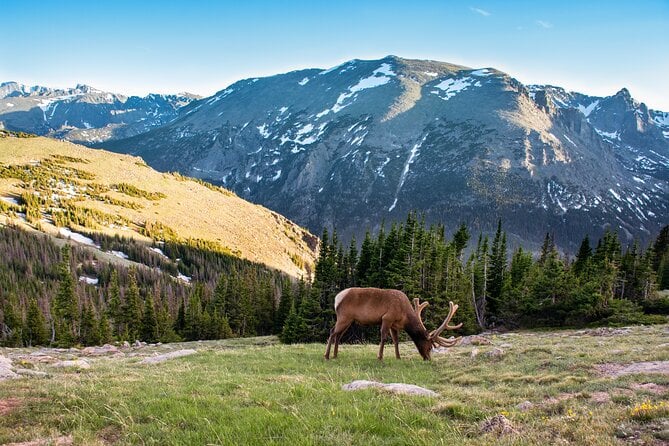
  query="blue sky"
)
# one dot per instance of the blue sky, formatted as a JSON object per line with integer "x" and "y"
{"x": 136, "y": 47}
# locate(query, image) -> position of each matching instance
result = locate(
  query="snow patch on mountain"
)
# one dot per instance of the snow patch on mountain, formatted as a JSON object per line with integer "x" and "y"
{"x": 586, "y": 110}
{"x": 451, "y": 87}
{"x": 407, "y": 165}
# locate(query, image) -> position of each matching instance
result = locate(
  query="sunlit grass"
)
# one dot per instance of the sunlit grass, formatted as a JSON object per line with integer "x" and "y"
{"x": 258, "y": 392}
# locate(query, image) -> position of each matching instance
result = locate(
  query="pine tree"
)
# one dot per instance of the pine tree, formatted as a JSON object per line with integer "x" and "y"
{"x": 498, "y": 263}
{"x": 114, "y": 309}
{"x": 285, "y": 304}
{"x": 104, "y": 328}
{"x": 65, "y": 302}
{"x": 180, "y": 321}
{"x": 582, "y": 257}
{"x": 193, "y": 319}
{"x": 132, "y": 310}
{"x": 89, "y": 329}
{"x": 460, "y": 239}
{"x": 35, "y": 332}
{"x": 295, "y": 329}
{"x": 165, "y": 325}
{"x": 149, "y": 331}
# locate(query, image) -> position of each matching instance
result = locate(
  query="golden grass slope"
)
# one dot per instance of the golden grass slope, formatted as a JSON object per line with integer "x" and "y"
{"x": 86, "y": 179}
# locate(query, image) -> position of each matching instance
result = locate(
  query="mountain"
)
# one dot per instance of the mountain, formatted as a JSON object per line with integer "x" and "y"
{"x": 370, "y": 140}
{"x": 62, "y": 188}
{"x": 83, "y": 114}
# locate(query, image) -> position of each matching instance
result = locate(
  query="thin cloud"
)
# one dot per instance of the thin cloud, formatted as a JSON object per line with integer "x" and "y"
{"x": 544, "y": 24}
{"x": 483, "y": 12}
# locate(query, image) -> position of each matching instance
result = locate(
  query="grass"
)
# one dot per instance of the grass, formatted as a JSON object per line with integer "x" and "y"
{"x": 254, "y": 391}
{"x": 118, "y": 194}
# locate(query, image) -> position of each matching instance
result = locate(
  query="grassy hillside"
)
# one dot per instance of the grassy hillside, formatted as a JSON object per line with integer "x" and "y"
{"x": 48, "y": 184}
{"x": 553, "y": 387}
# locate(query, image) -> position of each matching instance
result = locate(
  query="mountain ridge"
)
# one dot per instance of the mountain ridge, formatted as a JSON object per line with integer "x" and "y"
{"x": 83, "y": 113}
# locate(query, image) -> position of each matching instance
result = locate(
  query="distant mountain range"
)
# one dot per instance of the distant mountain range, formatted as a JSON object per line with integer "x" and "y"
{"x": 368, "y": 141}
{"x": 84, "y": 114}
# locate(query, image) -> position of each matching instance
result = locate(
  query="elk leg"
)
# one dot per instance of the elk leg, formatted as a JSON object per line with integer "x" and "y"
{"x": 336, "y": 331}
{"x": 395, "y": 335}
{"x": 337, "y": 339}
{"x": 384, "y": 334}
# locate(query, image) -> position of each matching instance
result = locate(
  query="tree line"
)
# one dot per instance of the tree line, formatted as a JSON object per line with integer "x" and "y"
{"x": 604, "y": 283}
{"x": 64, "y": 296}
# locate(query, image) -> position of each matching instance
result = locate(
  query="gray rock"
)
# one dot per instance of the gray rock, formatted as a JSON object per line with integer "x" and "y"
{"x": 106, "y": 349}
{"x": 125, "y": 344}
{"x": 496, "y": 353}
{"x": 475, "y": 340}
{"x": 474, "y": 353}
{"x": 34, "y": 373}
{"x": 6, "y": 371}
{"x": 398, "y": 388}
{"x": 74, "y": 363}
{"x": 525, "y": 406}
{"x": 167, "y": 356}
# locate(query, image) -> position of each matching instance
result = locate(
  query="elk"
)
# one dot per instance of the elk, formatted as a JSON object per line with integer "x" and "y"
{"x": 393, "y": 311}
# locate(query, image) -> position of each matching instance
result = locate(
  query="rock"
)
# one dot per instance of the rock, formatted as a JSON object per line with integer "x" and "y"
{"x": 6, "y": 371}
{"x": 125, "y": 344}
{"x": 99, "y": 351}
{"x": 506, "y": 345}
{"x": 28, "y": 372}
{"x": 498, "y": 425}
{"x": 398, "y": 388}
{"x": 138, "y": 343}
{"x": 474, "y": 353}
{"x": 165, "y": 356}
{"x": 525, "y": 406}
{"x": 74, "y": 363}
{"x": 496, "y": 353}
{"x": 475, "y": 340}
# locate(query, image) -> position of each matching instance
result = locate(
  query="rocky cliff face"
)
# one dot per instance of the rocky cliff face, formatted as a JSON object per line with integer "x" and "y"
{"x": 84, "y": 114}
{"x": 371, "y": 140}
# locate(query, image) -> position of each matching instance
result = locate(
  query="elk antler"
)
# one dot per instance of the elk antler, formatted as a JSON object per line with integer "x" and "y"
{"x": 418, "y": 309}
{"x": 434, "y": 335}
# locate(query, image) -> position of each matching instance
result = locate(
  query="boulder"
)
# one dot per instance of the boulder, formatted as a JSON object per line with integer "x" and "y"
{"x": 397, "y": 388}
{"x": 6, "y": 371}
{"x": 73, "y": 363}
{"x": 99, "y": 351}
{"x": 496, "y": 353}
{"x": 166, "y": 356}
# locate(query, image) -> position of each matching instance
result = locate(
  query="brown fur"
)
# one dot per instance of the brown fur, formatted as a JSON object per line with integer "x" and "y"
{"x": 373, "y": 306}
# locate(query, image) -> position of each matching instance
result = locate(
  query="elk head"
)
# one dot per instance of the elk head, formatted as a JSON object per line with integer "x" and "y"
{"x": 425, "y": 340}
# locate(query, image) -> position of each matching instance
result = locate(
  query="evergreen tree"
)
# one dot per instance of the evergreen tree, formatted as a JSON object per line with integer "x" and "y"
{"x": 193, "y": 319}
{"x": 460, "y": 239}
{"x": 582, "y": 257}
{"x": 285, "y": 304}
{"x": 149, "y": 331}
{"x": 180, "y": 321}
{"x": 114, "y": 310}
{"x": 104, "y": 328}
{"x": 35, "y": 332}
{"x": 295, "y": 329}
{"x": 132, "y": 310}
{"x": 65, "y": 302}
{"x": 498, "y": 261}
{"x": 88, "y": 332}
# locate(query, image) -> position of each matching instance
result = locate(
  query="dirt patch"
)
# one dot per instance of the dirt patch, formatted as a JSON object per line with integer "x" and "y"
{"x": 498, "y": 425}
{"x": 657, "y": 389}
{"x": 614, "y": 370}
{"x": 399, "y": 388}
{"x": 110, "y": 435}
{"x": 9, "y": 404}
{"x": 58, "y": 441}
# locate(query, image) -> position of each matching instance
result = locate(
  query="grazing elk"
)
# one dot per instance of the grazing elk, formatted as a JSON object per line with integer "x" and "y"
{"x": 391, "y": 309}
